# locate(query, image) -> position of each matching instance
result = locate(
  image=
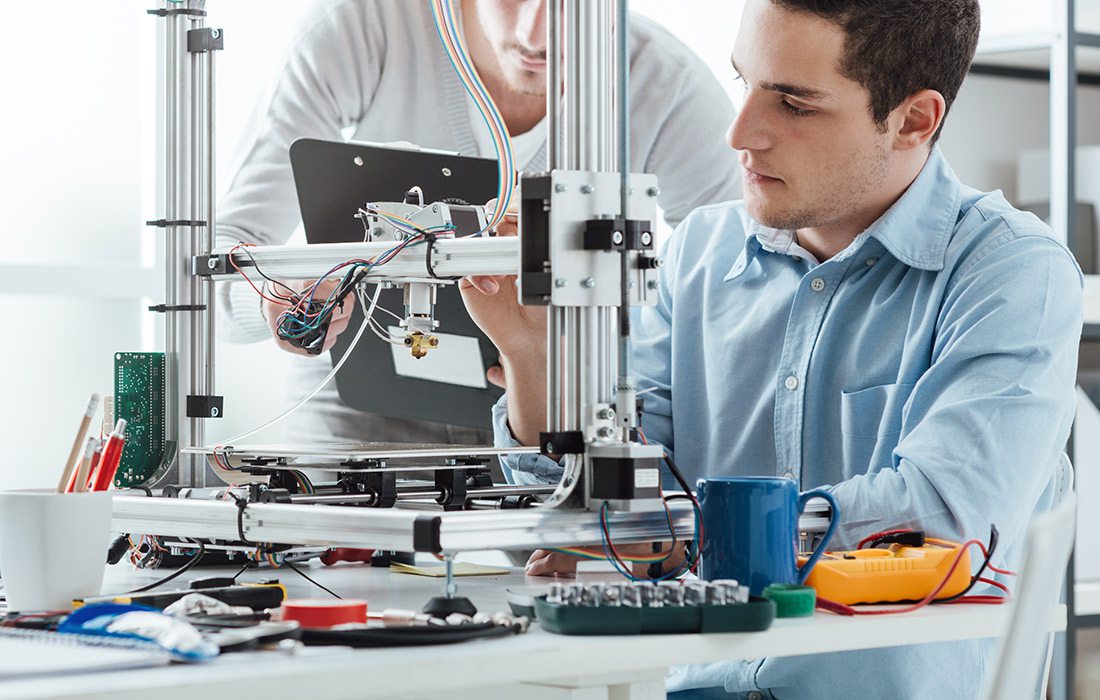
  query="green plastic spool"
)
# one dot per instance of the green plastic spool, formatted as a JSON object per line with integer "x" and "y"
{"x": 791, "y": 600}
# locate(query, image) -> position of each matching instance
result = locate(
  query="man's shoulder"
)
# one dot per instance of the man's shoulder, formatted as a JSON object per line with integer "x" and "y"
{"x": 989, "y": 224}
{"x": 711, "y": 233}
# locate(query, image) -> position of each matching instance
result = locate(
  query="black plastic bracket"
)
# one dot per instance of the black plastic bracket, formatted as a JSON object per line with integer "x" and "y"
{"x": 165, "y": 223}
{"x": 205, "y": 406}
{"x": 205, "y": 39}
{"x": 426, "y": 534}
{"x": 452, "y": 488}
{"x": 207, "y": 265}
{"x": 168, "y": 308}
{"x": 618, "y": 234}
{"x": 567, "y": 442}
{"x": 164, "y": 12}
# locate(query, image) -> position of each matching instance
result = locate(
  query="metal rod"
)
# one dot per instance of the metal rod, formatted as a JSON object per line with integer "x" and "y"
{"x": 210, "y": 388}
{"x": 553, "y": 85}
{"x": 622, "y": 35}
{"x": 195, "y": 287}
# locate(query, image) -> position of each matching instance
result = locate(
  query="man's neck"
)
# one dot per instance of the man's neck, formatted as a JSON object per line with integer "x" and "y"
{"x": 823, "y": 242}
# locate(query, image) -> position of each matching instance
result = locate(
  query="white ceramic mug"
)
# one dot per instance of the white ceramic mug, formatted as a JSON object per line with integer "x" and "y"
{"x": 53, "y": 547}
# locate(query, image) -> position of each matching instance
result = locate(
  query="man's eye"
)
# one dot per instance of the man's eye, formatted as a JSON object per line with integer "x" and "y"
{"x": 797, "y": 111}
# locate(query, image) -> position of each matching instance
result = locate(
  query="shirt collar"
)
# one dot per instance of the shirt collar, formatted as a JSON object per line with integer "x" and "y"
{"x": 915, "y": 230}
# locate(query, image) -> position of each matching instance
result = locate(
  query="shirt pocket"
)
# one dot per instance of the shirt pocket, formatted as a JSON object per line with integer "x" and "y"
{"x": 870, "y": 423}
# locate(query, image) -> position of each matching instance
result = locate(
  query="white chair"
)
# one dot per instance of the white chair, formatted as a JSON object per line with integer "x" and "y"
{"x": 1026, "y": 650}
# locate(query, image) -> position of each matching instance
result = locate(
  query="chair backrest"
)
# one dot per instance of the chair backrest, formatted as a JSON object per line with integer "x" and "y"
{"x": 1023, "y": 652}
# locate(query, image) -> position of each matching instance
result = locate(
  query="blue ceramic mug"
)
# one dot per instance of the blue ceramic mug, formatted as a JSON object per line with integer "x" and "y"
{"x": 751, "y": 530}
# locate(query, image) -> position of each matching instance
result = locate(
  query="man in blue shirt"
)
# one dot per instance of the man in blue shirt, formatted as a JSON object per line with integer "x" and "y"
{"x": 861, "y": 321}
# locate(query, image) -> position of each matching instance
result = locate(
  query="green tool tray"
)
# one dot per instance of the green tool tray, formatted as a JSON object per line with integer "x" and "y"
{"x": 753, "y": 616}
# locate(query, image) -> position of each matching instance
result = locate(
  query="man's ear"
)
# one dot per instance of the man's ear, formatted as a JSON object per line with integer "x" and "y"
{"x": 918, "y": 119}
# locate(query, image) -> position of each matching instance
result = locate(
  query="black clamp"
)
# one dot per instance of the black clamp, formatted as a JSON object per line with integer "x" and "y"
{"x": 207, "y": 265}
{"x": 164, "y": 12}
{"x": 205, "y": 39}
{"x": 205, "y": 406}
{"x": 618, "y": 234}
{"x": 166, "y": 223}
{"x": 561, "y": 443}
{"x": 166, "y": 308}
{"x": 431, "y": 239}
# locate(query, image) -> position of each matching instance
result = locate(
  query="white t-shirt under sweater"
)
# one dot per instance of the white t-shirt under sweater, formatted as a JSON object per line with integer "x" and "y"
{"x": 375, "y": 68}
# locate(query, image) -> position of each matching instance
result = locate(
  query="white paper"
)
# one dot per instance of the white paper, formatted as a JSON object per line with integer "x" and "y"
{"x": 457, "y": 361}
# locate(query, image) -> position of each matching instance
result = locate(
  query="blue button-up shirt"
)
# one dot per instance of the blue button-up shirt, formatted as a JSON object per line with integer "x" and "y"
{"x": 925, "y": 374}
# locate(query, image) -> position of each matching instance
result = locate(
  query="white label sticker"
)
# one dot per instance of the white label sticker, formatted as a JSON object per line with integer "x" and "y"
{"x": 646, "y": 479}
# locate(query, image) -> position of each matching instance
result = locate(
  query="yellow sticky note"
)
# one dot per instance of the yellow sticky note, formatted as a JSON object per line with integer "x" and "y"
{"x": 461, "y": 568}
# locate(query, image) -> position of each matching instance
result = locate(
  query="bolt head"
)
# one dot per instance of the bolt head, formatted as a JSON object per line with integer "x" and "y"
{"x": 617, "y": 237}
{"x": 214, "y": 412}
{"x": 605, "y": 433}
{"x": 606, "y": 414}
{"x": 651, "y": 285}
{"x": 653, "y": 191}
{"x": 212, "y": 263}
{"x": 560, "y": 282}
{"x": 588, "y": 283}
{"x": 586, "y": 189}
{"x": 550, "y": 447}
{"x": 215, "y": 33}
{"x": 647, "y": 237}
{"x": 561, "y": 187}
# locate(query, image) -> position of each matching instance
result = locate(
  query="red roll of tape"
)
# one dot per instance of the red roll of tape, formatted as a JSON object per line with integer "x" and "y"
{"x": 310, "y": 612}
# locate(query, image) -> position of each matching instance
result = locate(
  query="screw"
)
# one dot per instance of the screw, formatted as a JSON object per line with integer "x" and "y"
{"x": 550, "y": 447}
{"x": 435, "y": 207}
{"x": 560, "y": 282}
{"x": 215, "y": 33}
{"x": 630, "y": 284}
{"x": 617, "y": 237}
{"x": 214, "y": 412}
{"x": 446, "y": 172}
{"x": 647, "y": 237}
{"x": 212, "y": 263}
{"x": 606, "y": 414}
{"x": 605, "y": 433}
{"x": 560, "y": 187}
{"x": 588, "y": 283}
{"x": 586, "y": 189}
{"x": 651, "y": 285}
{"x": 653, "y": 191}
{"x": 358, "y": 161}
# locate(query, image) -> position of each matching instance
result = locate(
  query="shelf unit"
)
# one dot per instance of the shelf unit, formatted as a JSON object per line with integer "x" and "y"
{"x": 1002, "y": 55}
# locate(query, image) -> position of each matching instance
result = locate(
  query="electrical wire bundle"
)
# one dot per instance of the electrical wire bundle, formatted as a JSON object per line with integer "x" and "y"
{"x": 446, "y": 24}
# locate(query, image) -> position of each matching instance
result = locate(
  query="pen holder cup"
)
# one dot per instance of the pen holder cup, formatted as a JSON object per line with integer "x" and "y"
{"x": 53, "y": 547}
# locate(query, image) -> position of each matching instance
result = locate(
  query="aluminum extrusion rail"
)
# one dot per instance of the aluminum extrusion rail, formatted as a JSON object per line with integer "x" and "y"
{"x": 391, "y": 528}
{"x": 450, "y": 258}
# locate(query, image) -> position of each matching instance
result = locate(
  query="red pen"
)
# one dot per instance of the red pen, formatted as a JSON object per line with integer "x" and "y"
{"x": 112, "y": 455}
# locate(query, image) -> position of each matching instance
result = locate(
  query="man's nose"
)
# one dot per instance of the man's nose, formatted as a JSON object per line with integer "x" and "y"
{"x": 748, "y": 130}
{"x": 531, "y": 26}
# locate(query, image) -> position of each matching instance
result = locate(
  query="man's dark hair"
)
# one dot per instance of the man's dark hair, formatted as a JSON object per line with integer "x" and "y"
{"x": 895, "y": 48}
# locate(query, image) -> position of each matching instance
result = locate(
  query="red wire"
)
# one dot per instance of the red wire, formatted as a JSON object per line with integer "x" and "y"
{"x": 877, "y": 535}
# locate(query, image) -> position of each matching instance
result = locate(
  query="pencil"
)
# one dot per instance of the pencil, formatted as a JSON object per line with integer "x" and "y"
{"x": 81, "y": 483}
{"x": 74, "y": 454}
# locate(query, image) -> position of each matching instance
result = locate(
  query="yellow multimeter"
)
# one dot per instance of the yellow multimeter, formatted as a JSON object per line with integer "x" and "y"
{"x": 892, "y": 575}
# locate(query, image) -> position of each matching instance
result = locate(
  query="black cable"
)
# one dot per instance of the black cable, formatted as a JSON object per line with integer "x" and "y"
{"x": 183, "y": 569}
{"x": 993, "y": 537}
{"x": 301, "y": 573}
{"x": 260, "y": 272}
{"x": 678, "y": 475}
{"x": 242, "y": 570}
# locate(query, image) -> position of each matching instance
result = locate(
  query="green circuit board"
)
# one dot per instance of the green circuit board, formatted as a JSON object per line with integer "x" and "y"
{"x": 139, "y": 398}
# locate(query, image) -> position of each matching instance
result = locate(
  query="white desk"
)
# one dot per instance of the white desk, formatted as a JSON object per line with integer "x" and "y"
{"x": 549, "y": 666}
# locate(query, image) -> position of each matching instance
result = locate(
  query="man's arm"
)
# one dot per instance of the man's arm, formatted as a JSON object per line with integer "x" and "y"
{"x": 330, "y": 71}
{"x": 985, "y": 424}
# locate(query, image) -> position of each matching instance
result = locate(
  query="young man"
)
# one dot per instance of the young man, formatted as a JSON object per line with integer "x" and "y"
{"x": 374, "y": 70}
{"x": 861, "y": 321}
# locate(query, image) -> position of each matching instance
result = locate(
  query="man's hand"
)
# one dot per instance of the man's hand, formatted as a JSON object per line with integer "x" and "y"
{"x": 337, "y": 323}
{"x": 544, "y": 562}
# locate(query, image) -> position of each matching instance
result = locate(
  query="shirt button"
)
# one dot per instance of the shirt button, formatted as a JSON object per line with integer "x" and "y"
{"x": 791, "y": 383}
{"x": 817, "y": 284}
{"x": 871, "y": 261}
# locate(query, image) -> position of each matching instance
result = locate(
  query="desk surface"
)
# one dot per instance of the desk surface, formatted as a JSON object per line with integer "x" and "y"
{"x": 532, "y": 657}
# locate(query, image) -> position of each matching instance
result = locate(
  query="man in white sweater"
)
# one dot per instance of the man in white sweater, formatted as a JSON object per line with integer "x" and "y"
{"x": 375, "y": 70}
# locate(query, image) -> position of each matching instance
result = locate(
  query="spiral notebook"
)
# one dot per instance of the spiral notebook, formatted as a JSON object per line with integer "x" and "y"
{"x": 29, "y": 653}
